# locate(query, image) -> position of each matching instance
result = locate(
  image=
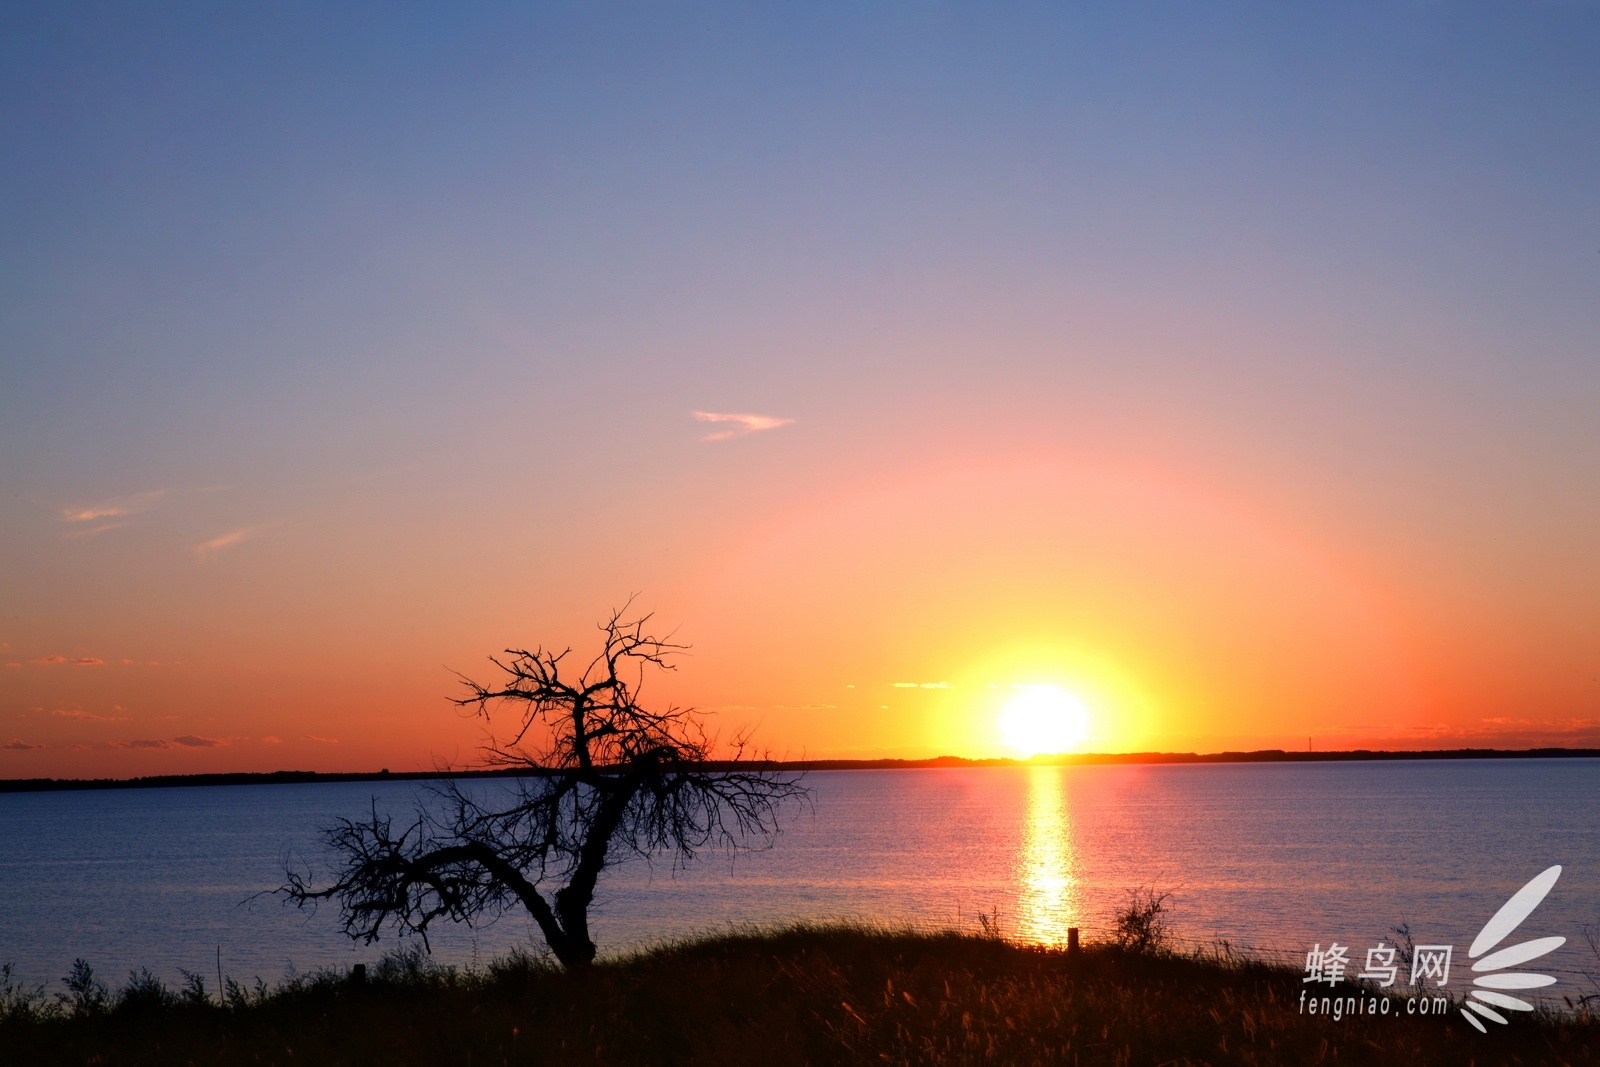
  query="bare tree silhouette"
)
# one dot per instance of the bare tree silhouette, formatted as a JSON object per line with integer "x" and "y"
{"x": 604, "y": 778}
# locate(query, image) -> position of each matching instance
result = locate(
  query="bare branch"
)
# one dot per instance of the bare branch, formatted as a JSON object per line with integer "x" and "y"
{"x": 605, "y": 778}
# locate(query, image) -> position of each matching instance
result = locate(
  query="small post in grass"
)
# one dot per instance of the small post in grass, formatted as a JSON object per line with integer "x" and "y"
{"x": 1072, "y": 940}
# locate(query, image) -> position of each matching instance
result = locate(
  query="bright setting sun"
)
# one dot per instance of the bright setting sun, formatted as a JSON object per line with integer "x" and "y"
{"x": 1044, "y": 719}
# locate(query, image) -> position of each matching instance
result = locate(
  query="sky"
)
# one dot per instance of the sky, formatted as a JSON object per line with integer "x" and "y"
{"x": 1232, "y": 367}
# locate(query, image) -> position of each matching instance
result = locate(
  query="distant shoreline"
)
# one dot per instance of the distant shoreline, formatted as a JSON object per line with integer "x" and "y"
{"x": 1275, "y": 755}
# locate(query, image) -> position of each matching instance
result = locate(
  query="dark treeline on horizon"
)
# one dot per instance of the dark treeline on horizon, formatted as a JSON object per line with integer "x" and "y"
{"x": 1273, "y": 755}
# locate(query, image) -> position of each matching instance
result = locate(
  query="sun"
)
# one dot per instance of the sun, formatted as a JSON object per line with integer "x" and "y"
{"x": 1044, "y": 719}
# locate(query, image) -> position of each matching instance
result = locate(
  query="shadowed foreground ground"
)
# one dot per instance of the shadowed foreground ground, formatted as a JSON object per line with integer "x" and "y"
{"x": 800, "y": 996}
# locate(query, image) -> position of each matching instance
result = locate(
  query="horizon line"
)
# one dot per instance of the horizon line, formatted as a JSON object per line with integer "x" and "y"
{"x": 1266, "y": 755}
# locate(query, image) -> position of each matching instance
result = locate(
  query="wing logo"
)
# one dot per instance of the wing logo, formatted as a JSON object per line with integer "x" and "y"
{"x": 1494, "y": 977}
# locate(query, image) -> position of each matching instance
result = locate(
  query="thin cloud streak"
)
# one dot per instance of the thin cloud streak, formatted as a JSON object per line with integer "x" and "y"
{"x": 90, "y": 514}
{"x": 227, "y": 540}
{"x": 743, "y": 425}
{"x": 123, "y": 507}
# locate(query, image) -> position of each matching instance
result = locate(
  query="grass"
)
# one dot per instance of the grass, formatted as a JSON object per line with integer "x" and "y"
{"x": 802, "y": 995}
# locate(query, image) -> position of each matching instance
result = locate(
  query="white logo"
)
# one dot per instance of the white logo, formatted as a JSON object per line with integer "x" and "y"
{"x": 1494, "y": 976}
{"x": 1431, "y": 963}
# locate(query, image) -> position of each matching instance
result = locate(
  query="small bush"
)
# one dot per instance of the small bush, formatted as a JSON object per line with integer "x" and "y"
{"x": 1143, "y": 926}
{"x": 194, "y": 992}
{"x": 18, "y": 1001}
{"x": 144, "y": 992}
{"x": 238, "y": 997}
{"x": 86, "y": 994}
{"x": 408, "y": 966}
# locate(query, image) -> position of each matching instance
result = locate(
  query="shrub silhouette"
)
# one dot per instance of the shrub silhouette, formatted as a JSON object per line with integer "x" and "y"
{"x": 604, "y": 777}
{"x": 1143, "y": 925}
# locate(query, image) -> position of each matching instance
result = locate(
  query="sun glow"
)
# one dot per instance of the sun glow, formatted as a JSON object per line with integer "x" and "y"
{"x": 1044, "y": 719}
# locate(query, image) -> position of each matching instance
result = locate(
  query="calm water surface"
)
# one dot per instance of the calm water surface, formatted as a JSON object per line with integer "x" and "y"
{"x": 1275, "y": 856}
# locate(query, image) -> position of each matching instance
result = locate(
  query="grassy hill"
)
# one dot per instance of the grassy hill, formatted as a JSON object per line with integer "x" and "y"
{"x": 806, "y": 995}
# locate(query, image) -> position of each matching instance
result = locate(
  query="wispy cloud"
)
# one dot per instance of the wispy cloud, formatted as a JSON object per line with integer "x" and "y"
{"x": 77, "y": 661}
{"x": 320, "y": 740}
{"x": 923, "y": 685}
{"x": 18, "y": 745}
{"x": 805, "y": 707}
{"x": 227, "y": 540}
{"x": 91, "y": 514}
{"x": 740, "y": 425}
{"x": 270, "y": 740}
{"x": 1498, "y": 732}
{"x": 119, "y": 509}
{"x": 74, "y": 713}
{"x": 181, "y": 741}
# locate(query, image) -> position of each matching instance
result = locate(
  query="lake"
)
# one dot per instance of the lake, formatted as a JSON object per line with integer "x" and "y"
{"x": 1274, "y": 857}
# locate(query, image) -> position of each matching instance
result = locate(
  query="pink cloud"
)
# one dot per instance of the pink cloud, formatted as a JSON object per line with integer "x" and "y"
{"x": 118, "y": 510}
{"x": 74, "y": 713}
{"x": 91, "y": 514}
{"x": 1499, "y": 732}
{"x": 191, "y": 741}
{"x": 227, "y": 540}
{"x": 321, "y": 740}
{"x": 141, "y": 744}
{"x": 17, "y": 745}
{"x": 741, "y": 425}
{"x": 81, "y": 661}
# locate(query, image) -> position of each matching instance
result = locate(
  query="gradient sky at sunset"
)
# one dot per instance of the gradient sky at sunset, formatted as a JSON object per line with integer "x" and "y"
{"x": 1233, "y": 367}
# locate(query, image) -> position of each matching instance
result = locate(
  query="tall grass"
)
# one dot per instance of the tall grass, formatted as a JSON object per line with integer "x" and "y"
{"x": 800, "y": 995}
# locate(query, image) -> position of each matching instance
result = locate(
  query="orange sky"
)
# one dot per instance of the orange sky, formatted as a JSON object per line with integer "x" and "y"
{"x": 890, "y": 618}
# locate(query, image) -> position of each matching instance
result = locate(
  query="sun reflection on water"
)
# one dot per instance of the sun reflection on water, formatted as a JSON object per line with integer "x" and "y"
{"x": 1047, "y": 869}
